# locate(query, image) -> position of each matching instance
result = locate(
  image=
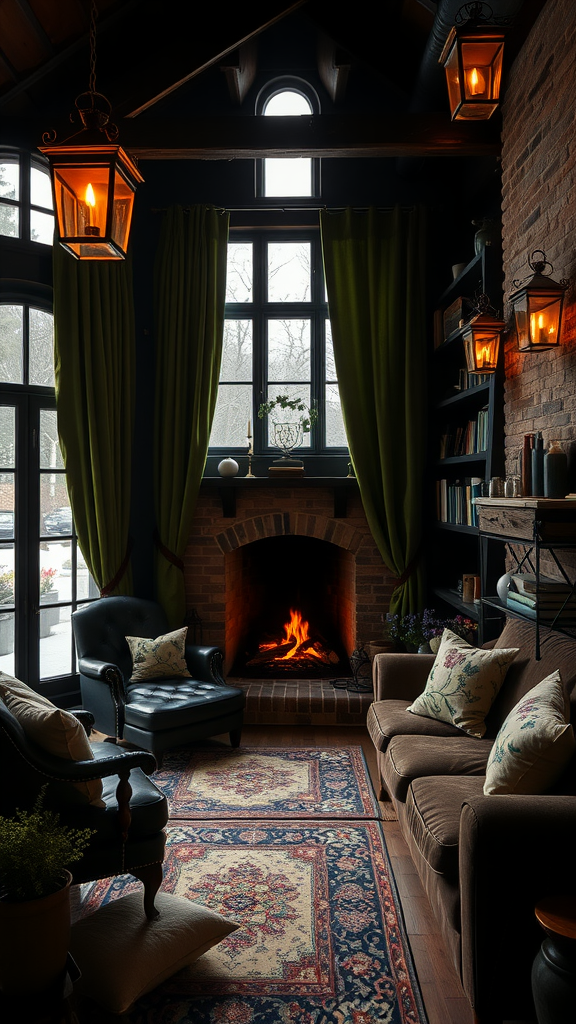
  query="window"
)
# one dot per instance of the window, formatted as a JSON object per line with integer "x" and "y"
{"x": 287, "y": 176}
{"x": 43, "y": 576}
{"x": 277, "y": 340}
{"x": 25, "y": 197}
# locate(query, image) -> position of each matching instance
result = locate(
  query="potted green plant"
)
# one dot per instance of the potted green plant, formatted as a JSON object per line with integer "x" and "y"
{"x": 6, "y": 617}
{"x": 35, "y": 851}
{"x": 287, "y": 432}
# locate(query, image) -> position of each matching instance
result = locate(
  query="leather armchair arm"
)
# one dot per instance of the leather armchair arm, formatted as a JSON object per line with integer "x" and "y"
{"x": 205, "y": 663}
{"x": 104, "y": 671}
{"x": 61, "y": 769}
{"x": 400, "y": 676}
{"x": 513, "y": 850}
{"x": 86, "y": 718}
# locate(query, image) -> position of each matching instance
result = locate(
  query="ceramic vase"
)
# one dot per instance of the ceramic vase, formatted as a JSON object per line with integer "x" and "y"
{"x": 228, "y": 467}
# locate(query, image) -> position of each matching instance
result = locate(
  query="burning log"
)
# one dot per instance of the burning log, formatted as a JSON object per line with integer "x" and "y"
{"x": 296, "y": 649}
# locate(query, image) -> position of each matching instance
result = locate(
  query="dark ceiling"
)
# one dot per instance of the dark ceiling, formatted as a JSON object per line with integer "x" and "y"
{"x": 179, "y": 75}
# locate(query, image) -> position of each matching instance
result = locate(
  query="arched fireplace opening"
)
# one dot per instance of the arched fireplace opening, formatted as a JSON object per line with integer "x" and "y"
{"x": 290, "y": 608}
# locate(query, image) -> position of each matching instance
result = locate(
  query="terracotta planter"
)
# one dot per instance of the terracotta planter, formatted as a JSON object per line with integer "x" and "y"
{"x": 375, "y": 647}
{"x": 34, "y": 938}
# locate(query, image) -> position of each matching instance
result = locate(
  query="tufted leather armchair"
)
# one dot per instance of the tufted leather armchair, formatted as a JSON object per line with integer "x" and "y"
{"x": 129, "y": 837}
{"x": 154, "y": 714}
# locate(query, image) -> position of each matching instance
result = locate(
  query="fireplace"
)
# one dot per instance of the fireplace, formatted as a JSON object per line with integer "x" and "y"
{"x": 290, "y": 599}
{"x": 279, "y": 547}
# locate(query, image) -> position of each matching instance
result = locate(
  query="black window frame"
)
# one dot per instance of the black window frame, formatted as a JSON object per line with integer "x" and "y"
{"x": 260, "y": 311}
{"x": 26, "y": 161}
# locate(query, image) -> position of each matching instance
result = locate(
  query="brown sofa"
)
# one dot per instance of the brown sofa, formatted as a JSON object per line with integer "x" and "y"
{"x": 484, "y": 861}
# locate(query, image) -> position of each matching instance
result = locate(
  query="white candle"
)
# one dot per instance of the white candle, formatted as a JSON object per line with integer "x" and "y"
{"x": 249, "y": 434}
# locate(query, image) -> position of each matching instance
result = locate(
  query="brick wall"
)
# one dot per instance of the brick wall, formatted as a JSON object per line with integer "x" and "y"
{"x": 215, "y": 561}
{"x": 539, "y": 212}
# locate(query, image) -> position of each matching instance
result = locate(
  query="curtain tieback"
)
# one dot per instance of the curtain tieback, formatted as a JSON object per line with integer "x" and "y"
{"x": 168, "y": 555}
{"x": 410, "y": 568}
{"x": 104, "y": 591}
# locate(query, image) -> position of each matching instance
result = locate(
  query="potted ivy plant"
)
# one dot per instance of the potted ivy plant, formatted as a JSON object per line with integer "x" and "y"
{"x": 291, "y": 418}
{"x": 35, "y": 851}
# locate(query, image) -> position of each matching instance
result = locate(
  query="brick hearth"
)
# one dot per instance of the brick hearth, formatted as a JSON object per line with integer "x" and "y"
{"x": 231, "y": 515}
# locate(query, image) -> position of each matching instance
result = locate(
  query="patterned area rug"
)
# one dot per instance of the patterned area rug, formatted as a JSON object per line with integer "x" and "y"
{"x": 321, "y": 938}
{"x": 269, "y": 782}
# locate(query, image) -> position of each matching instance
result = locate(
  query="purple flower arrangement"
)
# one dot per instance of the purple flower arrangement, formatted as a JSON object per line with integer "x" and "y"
{"x": 418, "y": 628}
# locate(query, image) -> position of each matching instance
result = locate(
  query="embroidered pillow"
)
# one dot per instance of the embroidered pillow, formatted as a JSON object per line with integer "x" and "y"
{"x": 534, "y": 743}
{"x": 162, "y": 658}
{"x": 51, "y": 728}
{"x": 463, "y": 684}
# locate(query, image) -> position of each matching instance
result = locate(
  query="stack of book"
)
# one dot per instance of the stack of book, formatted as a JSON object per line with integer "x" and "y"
{"x": 554, "y": 601}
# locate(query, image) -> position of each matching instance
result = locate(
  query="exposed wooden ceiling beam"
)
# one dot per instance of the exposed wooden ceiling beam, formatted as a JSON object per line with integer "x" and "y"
{"x": 240, "y": 72}
{"x": 333, "y": 67}
{"x": 242, "y": 138}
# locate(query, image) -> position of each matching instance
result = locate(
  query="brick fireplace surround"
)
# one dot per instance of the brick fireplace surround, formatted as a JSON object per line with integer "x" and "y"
{"x": 233, "y": 514}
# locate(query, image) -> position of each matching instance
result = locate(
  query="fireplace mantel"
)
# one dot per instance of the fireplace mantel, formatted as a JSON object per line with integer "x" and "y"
{"x": 228, "y": 488}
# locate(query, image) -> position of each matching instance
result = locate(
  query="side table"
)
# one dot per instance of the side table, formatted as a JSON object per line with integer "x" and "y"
{"x": 554, "y": 967}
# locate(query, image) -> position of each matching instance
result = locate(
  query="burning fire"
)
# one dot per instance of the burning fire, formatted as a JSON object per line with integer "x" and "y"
{"x": 296, "y": 636}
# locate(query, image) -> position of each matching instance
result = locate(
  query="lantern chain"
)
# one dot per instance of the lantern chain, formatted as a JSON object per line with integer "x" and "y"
{"x": 92, "y": 83}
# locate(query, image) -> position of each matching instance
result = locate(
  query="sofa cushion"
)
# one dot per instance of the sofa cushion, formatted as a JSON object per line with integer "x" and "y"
{"x": 417, "y": 757}
{"x": 433, "y": 807}
{"x": 388, "y": 718}
{"x": 557, "y": 652}
{"x": 463, "y": 683}
{"x": 56, "y": 731}
{"x": 534, "y": 744}
{"x": 162, "y": 658}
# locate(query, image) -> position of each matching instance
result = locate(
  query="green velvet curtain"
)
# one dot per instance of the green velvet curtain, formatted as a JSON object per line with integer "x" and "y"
{"x": 374, "y": 264}
{"x": 94, "y": 353}
{"x": 190, "y": 282}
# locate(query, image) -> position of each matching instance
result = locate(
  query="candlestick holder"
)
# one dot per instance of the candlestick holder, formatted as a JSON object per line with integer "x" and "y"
{"x": 250, "y": 454}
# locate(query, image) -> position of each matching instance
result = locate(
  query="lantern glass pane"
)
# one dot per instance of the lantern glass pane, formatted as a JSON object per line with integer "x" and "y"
{"x": 82, "y": 200}
{"x": 544, "y": 319}
{"x": 453, "y": 79}
{"x": 122, "y": 211}
{"x": 482, "y": 64}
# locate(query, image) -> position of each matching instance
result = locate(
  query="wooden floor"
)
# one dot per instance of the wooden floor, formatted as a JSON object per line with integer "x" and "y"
{"x": 444, "y": 1000}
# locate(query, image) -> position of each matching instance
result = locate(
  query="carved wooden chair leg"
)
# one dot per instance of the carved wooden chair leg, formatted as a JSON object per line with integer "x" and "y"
{"x": 151, "y": 876}
{"x": 235, "y": 737}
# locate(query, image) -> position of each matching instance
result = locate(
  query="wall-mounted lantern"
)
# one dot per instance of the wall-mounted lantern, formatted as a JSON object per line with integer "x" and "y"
{"x": 538, "y": 306}
{"x": 472, "y": 58}
{"x": 481, "y": 338}
{"x": 93, "y": 180}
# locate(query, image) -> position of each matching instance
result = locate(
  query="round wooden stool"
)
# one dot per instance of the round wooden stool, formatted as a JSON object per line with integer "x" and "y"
{"x": 554, "y": 967}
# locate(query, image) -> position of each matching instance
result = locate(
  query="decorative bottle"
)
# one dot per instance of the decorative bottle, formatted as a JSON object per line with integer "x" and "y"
{"x": 555, "y": 472}
{"x": 538, "y": 466}
{"x": 527, "y": 465}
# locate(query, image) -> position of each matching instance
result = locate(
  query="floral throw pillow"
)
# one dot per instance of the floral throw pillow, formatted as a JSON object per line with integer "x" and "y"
{"x": 534, "y": 743}
{"x": 463, "y": 683}
{"x": 162, "y": 658}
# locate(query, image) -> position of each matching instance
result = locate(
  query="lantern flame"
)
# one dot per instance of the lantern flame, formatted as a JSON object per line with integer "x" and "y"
{"x": 90, "y": 197}
{"x": 476, "y": 82}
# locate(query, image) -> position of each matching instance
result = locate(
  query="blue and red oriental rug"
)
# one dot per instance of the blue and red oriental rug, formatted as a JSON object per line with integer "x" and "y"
{"x": 270, "y": 782}
{"x": 321, "y": 937}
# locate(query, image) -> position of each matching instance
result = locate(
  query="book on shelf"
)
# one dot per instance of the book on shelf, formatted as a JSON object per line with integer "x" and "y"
{"x": 547, "y": 603}
{"x": 465, "y": 438}
{"x": 471, "y": 379}
{"x": 454, "y": 500}
{"x": 564, "y": 618}
{"x": 529, "y": 583}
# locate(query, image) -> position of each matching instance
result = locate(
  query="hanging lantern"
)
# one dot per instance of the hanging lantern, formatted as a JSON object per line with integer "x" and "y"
{"x": 481, "y": 338}
{"x": 93, "y": 179}
{"x": 472, "y": 58}
{"x": 538, "y": 307}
